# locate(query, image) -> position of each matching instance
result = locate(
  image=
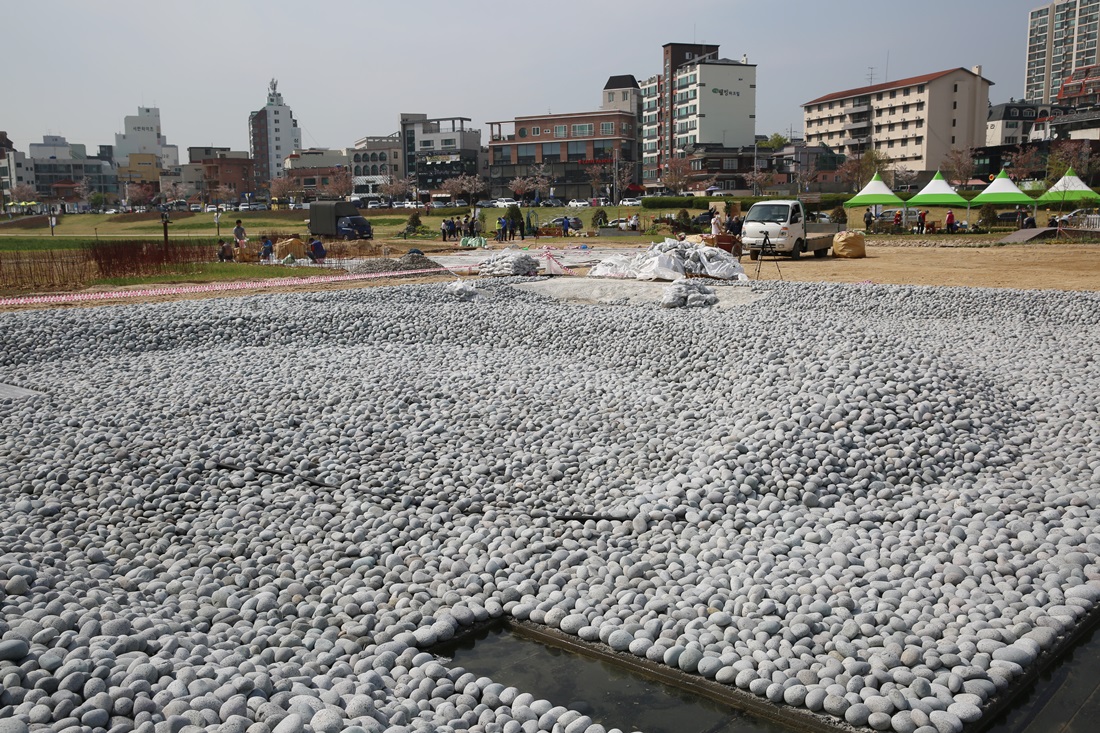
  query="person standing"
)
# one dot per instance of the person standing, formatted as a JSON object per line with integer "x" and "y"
{"x": 949, "y": 222}
{"x": 868, "y": 217}
{"x": 715, "y": 225}
{"x": 922, "y": 219}
{"x": 443, "y": 230}
{"x": 239, "y": 235}
{"x": 565, "y": 226}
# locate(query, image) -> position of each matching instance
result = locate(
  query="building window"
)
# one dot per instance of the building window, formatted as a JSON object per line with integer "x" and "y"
{"x": 607, "y": 128}
{"x": 954, "y": 105}
{"x": 611, "y": 96}
{"x": 561, "y": 131}
{"x": 358, "y": 171}
{"x": 953, "y": 120}
{"x": 448, "y": 142}
{"x": 502, "y": 154}
{"x": 625, "y": 96}
{"x": 382, "y": 169}
{"x": 536, "y": 131}
{"x": 551, "y": 151}
{"x": 956, "y": 87}
{"x": 577, "y": 150}
{"x": 427, "y": 144}
{"x": 582, "y": 130}
{"x": 374, "y": 170}
{"x": 525, "y": 153}
{"x": 357, "y": 159}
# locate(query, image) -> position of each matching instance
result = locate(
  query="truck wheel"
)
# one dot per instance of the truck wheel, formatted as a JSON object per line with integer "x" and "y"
{"x": 823, "y": 252}
{"x": 754, "y": 254}
{"x": 796, "y": 252}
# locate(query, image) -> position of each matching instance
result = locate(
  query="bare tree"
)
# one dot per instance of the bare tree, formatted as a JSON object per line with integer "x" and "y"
{"x": 281, "y": 189}
{"x": 958, "y": 166}
{"x": 623, "y": 175}
{"x": 520, "y": 186}
{"x": 804, "y": 175}
{"x": 225, "y": 193}
{"x": 396, "y": 188}
{"x": 598, "y": 175}
{"x": 856, "y": 172}
{"x": 138, "y": 194}
{"x": 453, "y": 187}
{"x": 174, "y": 192}
{"x": 23, "y": 193}
{"x": 340, "y": 184}
{"x": 85, "y": 188}
{"x": 904, "y": 176}
{"x": 760, "y": 180}
{"x": 1025, "y": 162}
{"x": 540, "y": 178}
{"x": 470, "y": 184}
{"x": 676, "y": 174}
{"x": 1075, "y": 154}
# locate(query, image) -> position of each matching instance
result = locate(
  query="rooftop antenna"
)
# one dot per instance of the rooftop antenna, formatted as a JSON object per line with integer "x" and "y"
{"x": 886, "y": 76}
{"x": 870, "y": 75}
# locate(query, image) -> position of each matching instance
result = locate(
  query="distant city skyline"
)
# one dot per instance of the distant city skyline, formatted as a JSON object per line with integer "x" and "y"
{"x": 206, "y": 66}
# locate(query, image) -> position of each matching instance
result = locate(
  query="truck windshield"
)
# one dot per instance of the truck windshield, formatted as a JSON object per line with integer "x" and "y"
{"x": 357, "y": 220}
{"x": 777, "y": 213}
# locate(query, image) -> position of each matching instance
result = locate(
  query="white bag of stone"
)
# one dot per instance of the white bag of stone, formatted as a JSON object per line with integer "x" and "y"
{"x": 619, "y": 266}
{"x": 686, "y": 293}
{"x": 721, "y": 265}
{"x": 463, "y": 290}
{"x": 509, "y": 263}
{"x": 661, "y": 267}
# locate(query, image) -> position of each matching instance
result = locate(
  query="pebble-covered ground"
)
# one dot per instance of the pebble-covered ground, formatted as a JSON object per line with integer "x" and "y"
{"x": 251, "y": 515}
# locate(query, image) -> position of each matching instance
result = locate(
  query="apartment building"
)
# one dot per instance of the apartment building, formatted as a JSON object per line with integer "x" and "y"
{"x": 577, "y": 150}
{"x": 1015, "y": 123}
{"x": 1061, "y": 38}
{"x": 54, "y": 168}
{"x": 698, "y": 98}
{"x": 439, "y": 148}
{"x": 914, "y": 121}
{"x": 143, "y": 136}
{"x": 273, "y": 134}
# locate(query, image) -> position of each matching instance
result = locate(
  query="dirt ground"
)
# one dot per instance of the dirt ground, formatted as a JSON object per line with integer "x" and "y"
{"x": 1056, "y": 266}
{"x": 1041, "y": 266}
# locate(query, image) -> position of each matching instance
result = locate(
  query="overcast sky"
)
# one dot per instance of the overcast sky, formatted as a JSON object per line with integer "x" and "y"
{"x": 348, "y": 69}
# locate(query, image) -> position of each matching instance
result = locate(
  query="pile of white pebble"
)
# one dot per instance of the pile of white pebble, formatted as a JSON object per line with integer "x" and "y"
{"x": 252, "y": 515}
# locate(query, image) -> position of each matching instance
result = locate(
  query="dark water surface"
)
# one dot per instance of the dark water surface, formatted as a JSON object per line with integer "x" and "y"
{"x": 613, "y": 696}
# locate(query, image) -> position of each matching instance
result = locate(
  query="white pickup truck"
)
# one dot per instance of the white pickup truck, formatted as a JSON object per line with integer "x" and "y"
{"x": 783, "y": 225}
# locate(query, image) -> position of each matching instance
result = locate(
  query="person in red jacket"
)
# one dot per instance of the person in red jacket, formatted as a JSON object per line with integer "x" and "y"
{"x": 949, "y": 221}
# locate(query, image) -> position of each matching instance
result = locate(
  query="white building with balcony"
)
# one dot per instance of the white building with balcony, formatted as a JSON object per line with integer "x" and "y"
{"x": 914, "y": 122}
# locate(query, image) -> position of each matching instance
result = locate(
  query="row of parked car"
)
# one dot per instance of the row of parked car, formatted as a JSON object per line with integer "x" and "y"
{"x": 211, "y": 208}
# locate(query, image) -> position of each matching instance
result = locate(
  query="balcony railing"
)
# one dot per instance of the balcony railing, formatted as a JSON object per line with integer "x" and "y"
{"x": 855, "y": 109}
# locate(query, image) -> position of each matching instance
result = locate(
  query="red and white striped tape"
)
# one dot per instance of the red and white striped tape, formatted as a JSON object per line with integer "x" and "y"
{"x": 208, "y": 288}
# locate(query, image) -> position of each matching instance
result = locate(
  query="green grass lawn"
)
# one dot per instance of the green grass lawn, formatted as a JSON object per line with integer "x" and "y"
{"x": 207, "y": 273}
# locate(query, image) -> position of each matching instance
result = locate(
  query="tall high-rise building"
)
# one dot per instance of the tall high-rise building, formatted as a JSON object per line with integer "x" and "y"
{"x": 697, "y": 98}
{"x": 143, "y": 136}
{"x": 1061, "y": 37}
{"x": 273, "y": 134}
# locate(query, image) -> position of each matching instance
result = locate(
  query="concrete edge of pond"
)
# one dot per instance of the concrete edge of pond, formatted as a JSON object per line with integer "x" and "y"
{"x": 799, "y": 718}
{"x": 1045, "y": 663}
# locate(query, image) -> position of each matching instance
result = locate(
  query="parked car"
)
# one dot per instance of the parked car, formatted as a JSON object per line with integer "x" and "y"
{"x": 196, "y": 208}
{"x": 887, "y": 215}
{"x": 1072, "y": 216}
{"x": 630, "y": 202}
{"x": 485, "y": 204}
{"x": 460, "y": 202}
{"x": 259, "y": 206}
{"x": 703, "y": 219}
{"x": 504, "y": 203}
{"x": 111, "y": 211}
{"x": 211, "y": 208}
{"x": 551, "y": 202}
{"x": 440, "y": 205}
{"x": 574, "y": 222}
{"x": 579, "y": 204}
{"x": 374, "y": 204}
{"x": 820, "y": 217}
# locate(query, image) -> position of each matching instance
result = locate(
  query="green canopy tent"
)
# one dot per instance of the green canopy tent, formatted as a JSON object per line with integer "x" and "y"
{"x": 938, "y": 192}
{"x": 1070, "y": 188}
{"x": 875, "y": 193}
{"x": 1003, "y": 192}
